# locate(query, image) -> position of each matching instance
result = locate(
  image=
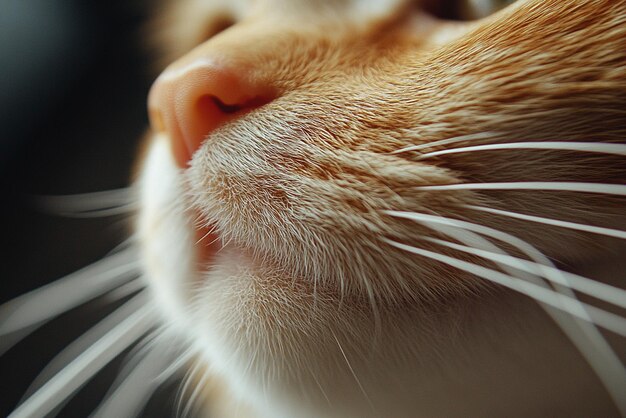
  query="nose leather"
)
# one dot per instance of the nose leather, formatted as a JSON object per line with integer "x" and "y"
{"x": 189, "y": 103}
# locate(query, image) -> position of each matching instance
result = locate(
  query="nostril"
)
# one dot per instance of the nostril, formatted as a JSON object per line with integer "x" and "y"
{"x": 207, "y": 102}
{"x": 189, "y": 103}
{"x": 211, "y": 112}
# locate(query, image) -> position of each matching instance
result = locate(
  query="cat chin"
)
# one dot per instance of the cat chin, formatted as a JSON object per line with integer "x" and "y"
{"x": 250, "y": 323}
{"x": 286, "y": 350}
{"x": 210, "y": 306}
{"x": 177, "y": 254}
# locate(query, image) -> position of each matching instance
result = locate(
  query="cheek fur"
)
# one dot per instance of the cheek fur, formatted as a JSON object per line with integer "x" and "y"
{"x": 356, "y": 209}
{"x": 353, "y": 237}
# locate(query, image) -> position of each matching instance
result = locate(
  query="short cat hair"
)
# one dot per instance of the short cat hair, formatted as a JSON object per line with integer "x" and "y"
{"x": 361, "y": 209}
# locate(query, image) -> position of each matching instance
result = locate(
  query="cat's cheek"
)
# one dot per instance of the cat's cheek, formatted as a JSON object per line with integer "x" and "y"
{"x": 168, "y": 269}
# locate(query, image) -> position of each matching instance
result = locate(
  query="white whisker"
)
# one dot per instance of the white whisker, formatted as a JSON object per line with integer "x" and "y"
{"x": 132, "y": 392}
{"x": 175, "y": 365}
{"x": 95, "y": 333}
{"x": 206, "y": 235}
{"x": 590, "y": 342}
{"x": 358, "y": 381}
{"x": 543, "y": 263}
{"x": 595, "y": 147}
{"x": 457, "y": 139}
{"x": 321, "y": 388}
{"x": 86, "y": 365}
{"x": 607, "y": 367}
{"x": 188, "y": 381}
{"x": 101, "y": 213}
{"x": 583, "y": 333}
{"x": 191, "y": 401}
{"x": 124, "y": 290}
{"x": 127, "y": 243}
{"x": 106, "y": 203}
{"x": 43, "y": 304}
{"x": 609, "y": 232}
{"x": 590, "y": 287}
{"x": 564, "y": 186}
{"x": 607, "y": 320}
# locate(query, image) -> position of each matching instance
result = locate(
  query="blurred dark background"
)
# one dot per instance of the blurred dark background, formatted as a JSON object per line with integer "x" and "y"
{"x": 74, "y": 75}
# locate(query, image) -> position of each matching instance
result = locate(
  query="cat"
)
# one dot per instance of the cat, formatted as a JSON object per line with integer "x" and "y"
{"x": 362, "y": 209}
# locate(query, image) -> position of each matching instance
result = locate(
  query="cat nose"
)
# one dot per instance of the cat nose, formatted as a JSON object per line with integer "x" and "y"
{"x": 189, "y": 103}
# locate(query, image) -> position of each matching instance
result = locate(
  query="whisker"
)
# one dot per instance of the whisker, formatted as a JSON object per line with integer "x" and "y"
{"x": 590, "y": 342}
{"x": 602, "y": 188}
{"x": 191, "y": 401}
{"x": 105, "y": 203}
{"x": 188, "y": 381}
{"x": 320, "y": 387}
{"x": 206, "y": 235}
{"x": 615, "y": 233}
{"x": 124, "y": 290}
{"x": 101, "y": 213}
{"x": 125, "y": 244}
{"x": 607, "y": 320}
{"x": 175, "y": 365}
{"x": 41, "y": 305}
{"x": 73, "y": 350}
{"x": 131, "y": 393}
{"x": 95, "y": 333}
{"x": 358, "y": 381}
{"x": 594, "y": 147}
{"x": 543, "y": 262}
{"x": 457, "y": 139}
{"x": 86, "y": 365}
{"x": 599, "y": 290}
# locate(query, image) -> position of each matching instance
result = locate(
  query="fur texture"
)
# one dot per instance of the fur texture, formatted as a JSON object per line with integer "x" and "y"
{"x": 421, "y": 217}
{"x": 308, "y": 309}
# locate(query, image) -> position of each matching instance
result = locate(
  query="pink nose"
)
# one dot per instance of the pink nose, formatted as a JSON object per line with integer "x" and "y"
{"x": 190, "y": 103}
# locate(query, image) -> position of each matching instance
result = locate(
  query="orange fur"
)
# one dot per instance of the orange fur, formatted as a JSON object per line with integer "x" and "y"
{"x": 299, "y": 189}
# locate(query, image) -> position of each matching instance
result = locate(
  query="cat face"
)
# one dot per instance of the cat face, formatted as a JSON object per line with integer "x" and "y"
{"x": 322, "y": 177}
